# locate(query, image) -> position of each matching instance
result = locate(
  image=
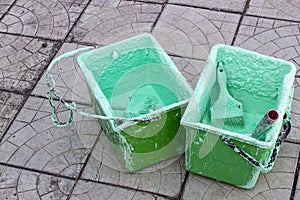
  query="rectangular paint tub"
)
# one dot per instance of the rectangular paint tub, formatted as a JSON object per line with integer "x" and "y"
{"x": 260, "y": 83}
{"x": 131, "y": 79}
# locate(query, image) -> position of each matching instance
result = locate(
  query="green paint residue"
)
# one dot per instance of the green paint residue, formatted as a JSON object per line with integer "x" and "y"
{"x": 254, "y": 81}
{"x": 122, "y": 65}
{"x": 253, "y": 75}
{"x": 148, "y": 98}
{"x": 120, "y": 75}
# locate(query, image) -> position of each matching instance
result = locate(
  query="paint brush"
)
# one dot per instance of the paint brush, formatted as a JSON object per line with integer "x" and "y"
{"x": 226, "y": 109}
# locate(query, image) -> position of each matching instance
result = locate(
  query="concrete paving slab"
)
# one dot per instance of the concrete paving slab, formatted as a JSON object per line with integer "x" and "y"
{"x": 296, "y": 96}
{"x": 35, "y": 143}
{"x": 21, "y": 184}
{"x": 297, "y": 191}
{"x": 115, "y": 20}
{"x": 279, "y": 9}
{"x": 68, "y": 77}
{"x": 85, "y": 190}
{"x": 270, "y": 37}
{"x": 191, "y": 32}
{"x": 22, "y": 60}
{"x": 48, "y": 19}
{"x": 189, "y": 68}
{"x": 276, "y": 184}
{"x": 231, "y": 5}
{"x": 104, "y": 166}
{"x": 150, "y": 1}
{"x": 10, "y": 104}
{"x": 294, "y": 136}
{"x": 4, "y": 6}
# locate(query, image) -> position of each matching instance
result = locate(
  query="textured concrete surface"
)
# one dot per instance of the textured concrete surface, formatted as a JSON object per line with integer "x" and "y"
{"x": 85, "y": 190}
{"x": 68, "y": 78}
{"x": 34, "y": 142}
{"x": 22, "y": 60}
{"x": 230, "y": 5}
{"x": 279, "y": 9}
{"x": 9, "y": 106}
{"x": 191, "y": 32}
{"x": 111, "y": 21}
{"x": 41, "y": 161}
{"x": 50, "y": 19}
{"x": 4, "y": 6}
{"x": 297, "y": 192}
{"x": 21, "y": 184}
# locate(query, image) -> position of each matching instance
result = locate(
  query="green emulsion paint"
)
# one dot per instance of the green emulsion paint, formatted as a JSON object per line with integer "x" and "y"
{"x": 123, "y": 64}
{"x": 137, "y": 73}
{"x": 148, "y": 98}
{"x": 249, "y": 83}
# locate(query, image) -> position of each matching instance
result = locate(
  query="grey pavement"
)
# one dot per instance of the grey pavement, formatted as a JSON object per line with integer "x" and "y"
{"x": 41, "y": 161}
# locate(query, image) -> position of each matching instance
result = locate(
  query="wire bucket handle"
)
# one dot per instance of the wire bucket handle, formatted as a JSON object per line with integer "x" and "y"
{"x": 54, "y": 93}
{"x": 286, "y": 129}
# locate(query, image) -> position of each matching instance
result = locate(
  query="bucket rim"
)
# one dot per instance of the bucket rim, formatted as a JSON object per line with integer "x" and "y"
{"x": 229, "y": 134}
{"x": 158, "y": 112}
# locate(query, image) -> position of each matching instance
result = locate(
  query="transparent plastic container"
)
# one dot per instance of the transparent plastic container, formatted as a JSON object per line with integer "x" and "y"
{"x": 139, "y": 97}
{"x": 228, "y": 153}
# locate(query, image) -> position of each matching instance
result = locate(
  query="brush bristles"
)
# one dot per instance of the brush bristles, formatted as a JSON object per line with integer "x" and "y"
{"x": 233, "y": 122}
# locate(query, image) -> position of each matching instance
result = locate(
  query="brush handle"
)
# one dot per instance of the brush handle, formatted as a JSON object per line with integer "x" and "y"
{"x": 225, "y": 107}
{"x": 265, "y": 124}
{"x": 222, "y": 80}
